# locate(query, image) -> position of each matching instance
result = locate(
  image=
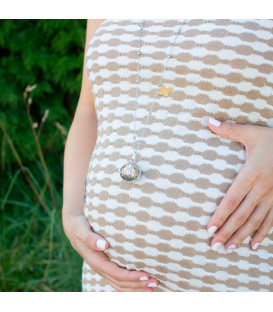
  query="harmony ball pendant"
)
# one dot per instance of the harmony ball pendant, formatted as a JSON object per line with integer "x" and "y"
{"x": 130, "y": 171}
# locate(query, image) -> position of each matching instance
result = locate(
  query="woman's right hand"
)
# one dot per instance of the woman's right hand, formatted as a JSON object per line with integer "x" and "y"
{"x": 88, "y": 244}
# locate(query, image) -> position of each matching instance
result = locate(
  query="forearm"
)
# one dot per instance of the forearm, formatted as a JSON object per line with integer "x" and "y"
{"x": 79, "y": 147}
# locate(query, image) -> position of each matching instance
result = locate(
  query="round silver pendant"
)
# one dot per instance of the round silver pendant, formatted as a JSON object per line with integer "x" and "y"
{"x": 130, "y": 172}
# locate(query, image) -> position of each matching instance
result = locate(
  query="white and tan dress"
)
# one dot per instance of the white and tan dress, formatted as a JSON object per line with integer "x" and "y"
{"x": 220, "y": 68}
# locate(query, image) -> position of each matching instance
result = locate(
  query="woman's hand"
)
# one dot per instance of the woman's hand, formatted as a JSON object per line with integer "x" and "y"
{"x": 248, "y": 204}
{"x": 88, "y": 244}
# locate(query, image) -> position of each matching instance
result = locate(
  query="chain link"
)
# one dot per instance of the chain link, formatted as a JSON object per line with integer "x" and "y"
{"x": 158, "y": 86}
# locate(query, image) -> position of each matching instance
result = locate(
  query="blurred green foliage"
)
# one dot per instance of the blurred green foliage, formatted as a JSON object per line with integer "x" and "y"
{"x": 35, "y": 255}
{"x": 48, "y": 53}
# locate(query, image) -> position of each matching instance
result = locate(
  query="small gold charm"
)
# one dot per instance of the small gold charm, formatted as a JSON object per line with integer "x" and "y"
{"x": 164, "y": 91}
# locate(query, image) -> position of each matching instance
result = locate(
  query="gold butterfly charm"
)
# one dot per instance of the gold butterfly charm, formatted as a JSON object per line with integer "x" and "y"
{"x": 164, "y": 91}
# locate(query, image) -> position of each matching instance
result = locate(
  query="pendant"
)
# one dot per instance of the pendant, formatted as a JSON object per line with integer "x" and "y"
{"x": 130, "y": 171}
{"x": 164, "y": 91}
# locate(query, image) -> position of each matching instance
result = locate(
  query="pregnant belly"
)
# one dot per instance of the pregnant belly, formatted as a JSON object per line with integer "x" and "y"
{"x": 158, "y": 223}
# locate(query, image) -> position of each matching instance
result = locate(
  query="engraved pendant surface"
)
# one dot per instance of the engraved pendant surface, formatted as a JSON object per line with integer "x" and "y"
{"x": 130, "y": 172}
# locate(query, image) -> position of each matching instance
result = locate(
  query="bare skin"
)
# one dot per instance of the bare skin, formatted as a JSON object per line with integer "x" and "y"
{"x": 78, "y": 151}
{"x": 247, "y": 208}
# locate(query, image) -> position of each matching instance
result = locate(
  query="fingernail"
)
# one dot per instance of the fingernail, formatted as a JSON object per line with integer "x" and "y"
{"x": 101, "y": 243}
{"x": 255, "y": 245}
{"x": 143, "y": 278}
{"x": 216, "y": 246}
{"x": 214, "y": 121}
{"x": 212, "y": 229}
{"x": 231, "y": 248}
{"x": 152, "y": 285}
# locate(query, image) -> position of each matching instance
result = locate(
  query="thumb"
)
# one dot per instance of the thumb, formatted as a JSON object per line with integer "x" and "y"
{"x": 95, "y": 242}
{"x": 228, "y": 130}
{"x": 91, "y": 239}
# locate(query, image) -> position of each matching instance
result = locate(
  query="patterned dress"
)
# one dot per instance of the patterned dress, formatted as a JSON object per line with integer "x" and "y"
{"x": 219, "y": 68}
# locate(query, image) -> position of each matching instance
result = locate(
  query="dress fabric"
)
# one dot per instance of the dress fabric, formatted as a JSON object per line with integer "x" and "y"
{"x": 220, "y": 68}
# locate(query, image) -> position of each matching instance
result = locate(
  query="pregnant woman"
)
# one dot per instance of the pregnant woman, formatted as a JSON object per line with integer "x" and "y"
{"x": 173, "y": 137}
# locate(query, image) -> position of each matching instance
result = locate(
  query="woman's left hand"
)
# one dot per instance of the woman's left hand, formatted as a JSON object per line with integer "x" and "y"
{"x": 248, "y": 204}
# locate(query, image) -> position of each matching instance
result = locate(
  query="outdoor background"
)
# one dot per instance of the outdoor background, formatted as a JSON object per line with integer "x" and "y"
{"x": 41, "y": 64}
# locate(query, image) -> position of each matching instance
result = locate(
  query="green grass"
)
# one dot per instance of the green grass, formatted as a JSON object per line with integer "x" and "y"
{"x": 35, "y": 254}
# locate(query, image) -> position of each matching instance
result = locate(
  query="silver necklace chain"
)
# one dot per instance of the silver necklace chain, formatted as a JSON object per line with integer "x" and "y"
{"x": 130, "y": 171}
{"x": 158, "y": 86}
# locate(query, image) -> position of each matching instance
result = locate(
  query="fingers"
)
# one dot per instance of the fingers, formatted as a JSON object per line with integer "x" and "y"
{"x": 124, "y": 289}
{"x": 235, "y": 220}
{"x": 90, "y": 239}
{"x": 126, "y": 280}
{"x": 252, "y": 224}
{"x": 96, "y": 242}
{"x": 145, "y": 283}
{"x": 91, "y": 245}
{"x": 121, "y": 275}
{"x": 233, "y": 131}
{"x": 148, "y": 285}
{"x": 235, "y": 194}
{"x": 263, "y": 230}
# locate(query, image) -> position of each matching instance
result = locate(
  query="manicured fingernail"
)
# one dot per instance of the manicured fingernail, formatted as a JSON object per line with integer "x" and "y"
{"x": 212, "y": 229}
{"x": 143, "y": 278}
{"x": 101, "y": 243}
{"x": 255, "y": 245}
{"x": 216, "y": 246}
{"x": 152, "y": 285}
{"x": 214, "y": 121}
{"x": 231, "y": 248}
